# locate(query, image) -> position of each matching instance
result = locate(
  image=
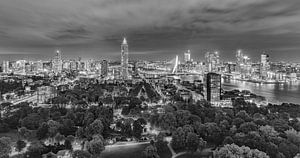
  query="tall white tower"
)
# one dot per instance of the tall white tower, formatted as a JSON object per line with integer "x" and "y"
{"x": 124, "y": 59}
{"x": 57, "y": 62}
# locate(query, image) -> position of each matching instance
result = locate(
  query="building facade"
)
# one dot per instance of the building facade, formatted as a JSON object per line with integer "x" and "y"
{"x": 57, "y": 62}
{"x": 212, "y": 61}
{"x": 104, "y": 68}
{"x": 213, "y": 87}
{"x": 124, "y": 59}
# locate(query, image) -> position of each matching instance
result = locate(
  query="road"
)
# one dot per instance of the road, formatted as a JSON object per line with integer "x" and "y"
{"x": 32, "y": 99}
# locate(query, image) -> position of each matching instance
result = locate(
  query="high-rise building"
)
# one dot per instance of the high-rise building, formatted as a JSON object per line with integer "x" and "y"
{"x": 187, "y": 56}
{"x": 265, "y": 65}
{"x": 124, "y": 59}
{"x": 5, "y": 67}
{"x": 104, "y": 68}
{"x": 212, "y": 61}
{"x": 57, "y": 62}
{"x": 212, "y": 83}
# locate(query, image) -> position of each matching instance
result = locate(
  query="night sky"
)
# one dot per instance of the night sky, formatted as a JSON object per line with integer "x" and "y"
{"x": 155, "y": 29}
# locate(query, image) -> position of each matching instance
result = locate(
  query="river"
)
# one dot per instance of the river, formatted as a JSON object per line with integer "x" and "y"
{"x": 274, "y": 93}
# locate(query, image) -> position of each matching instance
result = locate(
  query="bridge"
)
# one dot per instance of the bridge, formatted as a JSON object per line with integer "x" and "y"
{"x": 170, "y": 69}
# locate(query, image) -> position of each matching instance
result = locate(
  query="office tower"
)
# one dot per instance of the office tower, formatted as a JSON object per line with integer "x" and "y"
{"x": 20, "y": 66}
{"x": 5, "y": 67}
{"x": 73, "y": 65}
{"x": 239, "y": 62}
{"x": 124, "y": 59}
{"x": 243, "y": 64}
{"x": 104, "y": 68}
{"x": 265, "y": 65}
{"x": 57, "y": 62}
{"x": 212, "y": 61}
{"x": 187, "y": 56}
{"x": 40, "y": 67}
{"x": 212, "y": 83}
{"x": 66, "y": 65}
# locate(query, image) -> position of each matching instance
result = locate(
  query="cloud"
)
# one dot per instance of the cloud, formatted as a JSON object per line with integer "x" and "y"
{"x": 67, "y": 22}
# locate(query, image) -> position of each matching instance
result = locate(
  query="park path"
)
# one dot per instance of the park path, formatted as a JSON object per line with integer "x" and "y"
{"x": 174, "y": 154}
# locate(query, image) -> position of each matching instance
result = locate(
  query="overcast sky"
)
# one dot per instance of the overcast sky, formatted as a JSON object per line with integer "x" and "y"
{"x": 155, "y": 29}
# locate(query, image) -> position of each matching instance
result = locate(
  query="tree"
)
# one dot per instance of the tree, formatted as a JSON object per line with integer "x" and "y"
{"x": 81, "y": 154}
{"x": 160, "y": 142}
{"x": 80, "y": 133}
{"x": 24, "y": 132}
{"x": 68, "y": 144}
{"x": 53, "y": 128}
{"x": 233, "y": 151}
{"x": 5, "y": 146}
{"x": 70, "y": 138}
{"x": 243, "y": 115}
{"x": 192, "y": 142}
{"x": 178, "y": 139}
{"x": 137, "y": 129}
{"x": 68, "y": 127}
{"x": 32, "y": 121}
{"x": 248, "y": 127}
{"x": 151, "y": 151}
{"x": 288, "y": 149}
{"x": 20, "y": 145}
{"x": 237, "y": 122}
{"x": 96, "y": 146}
{"x": 182, "y": 117}
{"x": 293, "y": 136}
{"x": 126, "y": 130}
{"x": 168, "y": 121}
{"x": 58, "y": 137}
{"x": 213, "y": 133}
{"x": 228, "y": 140}
{"x": 42, "y": 131}
{"x": 95, "y": 128}
{"x": 35, "y": 150}
{"x": 202, "y": 144}
{"x": 268, "y": 132}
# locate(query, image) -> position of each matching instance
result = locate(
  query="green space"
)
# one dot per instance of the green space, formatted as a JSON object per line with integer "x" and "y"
{"x": 130, "y": 151}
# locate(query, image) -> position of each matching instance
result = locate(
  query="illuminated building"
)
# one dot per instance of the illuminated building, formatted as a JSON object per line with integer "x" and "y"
{"x": 265, "y": 65}
{"x": 212, "y": 61}
{"x": 124, "y": 59}
{"x": 57, "y": 62}
{"x": 5, "y": 67}
{"x": 187, "y": 56}
{"x": 212, "y": 83}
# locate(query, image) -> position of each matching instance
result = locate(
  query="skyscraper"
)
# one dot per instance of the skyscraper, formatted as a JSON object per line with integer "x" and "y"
{"x": 5, "y": 67}
{"x": 265, "y": 65}
{"x": 124, "y": 59}
{"x": 212, "y": 61}
{"x": 187, "y": 56}
{"x": 104, "y": 68}
{"x": 213, "y": 87}
{"x": 57, "y": 62}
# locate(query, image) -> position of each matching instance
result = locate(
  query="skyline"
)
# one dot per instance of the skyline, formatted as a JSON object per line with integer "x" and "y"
{"x": 155, "y": 30}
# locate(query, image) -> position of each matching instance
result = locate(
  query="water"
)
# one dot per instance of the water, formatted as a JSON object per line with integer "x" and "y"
{"x": 274, "y": 93}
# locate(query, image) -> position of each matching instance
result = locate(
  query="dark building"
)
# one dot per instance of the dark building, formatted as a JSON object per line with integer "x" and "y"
{"x": 104, "y": 68}
{"x": 213, "y": 87}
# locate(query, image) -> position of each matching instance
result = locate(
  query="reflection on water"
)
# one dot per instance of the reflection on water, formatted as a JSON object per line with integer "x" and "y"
{"x": 275, "y": 93}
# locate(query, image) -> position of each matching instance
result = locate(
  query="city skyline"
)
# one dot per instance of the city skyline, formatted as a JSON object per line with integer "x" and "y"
{"x": 34, "y": 29}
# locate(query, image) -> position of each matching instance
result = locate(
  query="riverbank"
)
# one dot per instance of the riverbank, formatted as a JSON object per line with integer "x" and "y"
{"x": 274, "y": 93}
